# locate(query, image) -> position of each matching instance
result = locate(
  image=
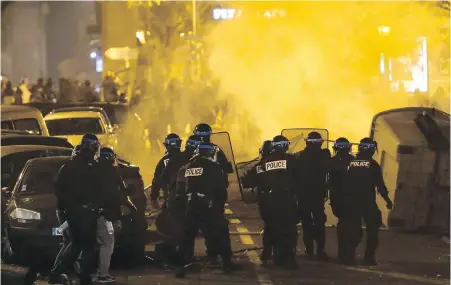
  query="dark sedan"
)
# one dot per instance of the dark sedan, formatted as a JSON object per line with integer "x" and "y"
{"x": 31, "y": 216}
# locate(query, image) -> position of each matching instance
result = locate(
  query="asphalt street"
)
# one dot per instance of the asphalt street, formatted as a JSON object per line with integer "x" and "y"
{"x": 403, "y": 259}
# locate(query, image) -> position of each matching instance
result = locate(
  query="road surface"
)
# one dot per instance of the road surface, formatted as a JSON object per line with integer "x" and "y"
{"x": 403, "y": 259}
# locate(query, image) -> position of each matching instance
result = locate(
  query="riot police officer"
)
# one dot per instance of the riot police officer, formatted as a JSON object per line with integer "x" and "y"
{"x": 250, "y": 180}
{"x": 171, "y": 215}
{"x": 61, "y": 219}
{"x": 78, "y": 189}
{"x": 169, "y": 175}
{"x": 277, "y": 176}
{"x": 204, "y": 131}
{"x": 338, "y": 166}
{"x": 205, "y": 192}
{"x": 172, "y": 143}
{"x": 313, "y": 163}
{"x": 364, "y": 175}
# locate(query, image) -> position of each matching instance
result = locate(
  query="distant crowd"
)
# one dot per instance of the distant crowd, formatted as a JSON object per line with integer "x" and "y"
{"x": 68, "y": 91}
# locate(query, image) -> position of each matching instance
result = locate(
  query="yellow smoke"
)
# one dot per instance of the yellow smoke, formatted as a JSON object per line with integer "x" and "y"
{"x": 317, "y": 66}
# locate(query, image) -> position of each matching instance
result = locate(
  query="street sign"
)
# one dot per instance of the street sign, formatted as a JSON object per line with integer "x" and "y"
{"x": 124, "y": 53}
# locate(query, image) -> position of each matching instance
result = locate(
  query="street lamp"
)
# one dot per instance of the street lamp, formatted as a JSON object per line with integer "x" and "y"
{"x": 383, "y": 30}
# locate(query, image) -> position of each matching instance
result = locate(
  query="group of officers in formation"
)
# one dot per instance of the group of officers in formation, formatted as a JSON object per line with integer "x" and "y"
{"x": 291, "y": 188}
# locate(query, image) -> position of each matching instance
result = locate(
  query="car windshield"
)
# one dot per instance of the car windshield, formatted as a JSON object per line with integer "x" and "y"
{"x": 74, "y": 126}
{"x": 39, "y": 178}
{"x": 30, "y": 126}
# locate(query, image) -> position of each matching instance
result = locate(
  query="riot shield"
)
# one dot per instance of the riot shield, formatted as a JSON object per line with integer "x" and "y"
{"x": 297, "y": 137}
{"x": 249, "y": 195}
{"x": 222, "y": 140}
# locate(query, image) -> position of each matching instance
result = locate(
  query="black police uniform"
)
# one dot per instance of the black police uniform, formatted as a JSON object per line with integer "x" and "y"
{"x": 156, "y": 181}
{"x": 313, "y": 165}
{"x": 338, "y": 167}
{"x": 251, "y": 180}
{"x": 205, "y": 189}
{"x": 277, "y": 176}
{"x": 169, "y": 175}
{"x": 359, "y": 201}
{"x": 172, "y": 208}
{"x": 79, "y": 192}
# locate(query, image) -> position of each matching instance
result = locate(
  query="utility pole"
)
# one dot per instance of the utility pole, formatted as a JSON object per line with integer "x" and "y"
{"x": 194, "y": 41}
{"x": 194, "y": 18}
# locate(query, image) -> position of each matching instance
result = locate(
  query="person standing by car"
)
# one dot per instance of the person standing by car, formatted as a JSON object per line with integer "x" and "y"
{"x": 78, "y": 189}
{"x": 62, "y": 218}
{"x": 110, "y": 211}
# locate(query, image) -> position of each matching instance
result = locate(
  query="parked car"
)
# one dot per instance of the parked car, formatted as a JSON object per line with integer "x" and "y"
{"x": 19, "y": 147}
{"x": 91, "y": 109}
{"x": 117, "y": 112}
{"x": 23, "y": 118}
{"x": 31, "y": 220}
{"x": 73, "y": 125}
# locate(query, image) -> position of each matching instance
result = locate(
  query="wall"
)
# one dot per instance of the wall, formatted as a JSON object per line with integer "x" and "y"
{"x": 48, "y": 39}
{"x": 24, "y": 41}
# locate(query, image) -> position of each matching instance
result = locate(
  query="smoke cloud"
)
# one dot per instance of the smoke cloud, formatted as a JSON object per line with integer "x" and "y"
{"x": 319, "y": 65}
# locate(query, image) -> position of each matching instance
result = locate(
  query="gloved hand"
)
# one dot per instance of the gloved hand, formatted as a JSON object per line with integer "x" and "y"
{"x": 117, "y": 226}
{"x": 389, "y": 204}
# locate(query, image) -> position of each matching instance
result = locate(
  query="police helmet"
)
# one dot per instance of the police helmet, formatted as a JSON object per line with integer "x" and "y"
{"x": 202, "y": 130}
{"x": 107, "y": 155}
{"x": 314, "y": 138}
{"x": 367, "y": 145}
{"x": 342, "y": 145}
{"x": 266, "y": 148}
{"x": 172, "y": 141}
{"x": 205, "y": 150}
{"x": 192, "y": 143}
{"x": 89, "y": 144}
{"x": 280, "y": 143}
{"x": 76, "y": 151}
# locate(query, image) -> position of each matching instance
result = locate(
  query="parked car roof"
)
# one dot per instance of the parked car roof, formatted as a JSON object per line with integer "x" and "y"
{"x": 13, "y": 139}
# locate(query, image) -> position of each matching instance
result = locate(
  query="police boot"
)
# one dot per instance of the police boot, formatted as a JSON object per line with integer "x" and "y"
{"x": 369, "y": 258}
{"x": 348, "y": 257}
{"x": 227, "y": 266}
{"x": 369, "y": 261}
{"x": 322, "y": 256}
{"x": 266, "y": 255}
{"x": 180, "y": 272}
{"x": 290, "y": 260}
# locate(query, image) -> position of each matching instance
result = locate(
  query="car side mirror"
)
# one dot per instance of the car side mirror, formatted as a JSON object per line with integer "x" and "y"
{"x": 7, "y": 191}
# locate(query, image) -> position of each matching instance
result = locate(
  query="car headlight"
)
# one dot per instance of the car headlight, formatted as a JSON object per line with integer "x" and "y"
{"x": 24, "y": 214}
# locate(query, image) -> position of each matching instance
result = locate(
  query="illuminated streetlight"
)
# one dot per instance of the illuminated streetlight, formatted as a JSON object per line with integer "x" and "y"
{"x": 93, "y": 55}
{"x": 141, "y": 37}
{"x": 383, "y": 30}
